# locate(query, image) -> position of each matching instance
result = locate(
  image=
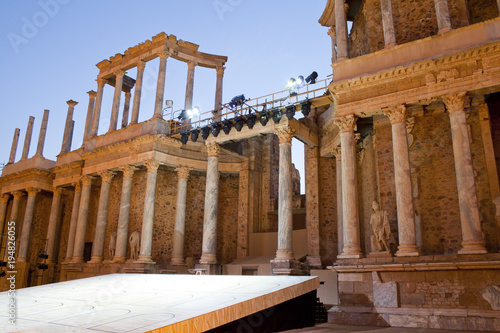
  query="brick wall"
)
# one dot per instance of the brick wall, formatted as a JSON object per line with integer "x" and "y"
{"x": 482, "y": 10}
{"x": 328, "y": 240}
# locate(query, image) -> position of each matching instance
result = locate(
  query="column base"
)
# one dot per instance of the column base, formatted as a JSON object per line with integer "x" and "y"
{"x": 444, "y": 30}
{"x": 286, "y": 267}
{"x": 381, "y": 254}
{"x": 77, "y": 260}
{"x": 119, "y": 260}
{"x": 388, "y": 46}
{"x": 177, "y": 262}
{"x": 473, "y": 248}
{"x": 282, "y": 255}
{"x": 95, "y": 260}
{"x": 407, "y": 251}
{"x": 314, "y": 261}
{"x": 208, "y": 259}
{"x": 351, "y": 253}
{"x": 144, "y": 259}
{"x": 210, "y": 269}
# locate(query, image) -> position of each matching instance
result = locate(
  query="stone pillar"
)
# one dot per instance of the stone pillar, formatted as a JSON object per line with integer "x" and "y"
{"x": 340, "y": 227}
{"x": 102, "y": 217}
{"x": 53, "y": 220}
{"x": 218, "y": 88}
{"x": 312, "y": 205}
{"x": 341, "y": 30}
{"x": 126, "y": 108}
{"x": 388, "y": 23}
{"x": 28, "y": 221}
{"x": 180, "y": 217}
{"x": 74, "y": 221}
{"x": 350, "y": 218}
{"x": 141, "y": 65}
{"x": 14, "y": 212}
{"x": 160, "y": 86}
{"x": 27, "y": 139}
{"x": 41, "y": 136}
{"x": 124, "y": 215}
{"x": 81, "y": 225}
{"x": 90, "y": 114}
{"x": 97, "y": 108}
{"x": 209, "y": 246}
{"x": 472, "y": 238}
{"x": 442, "y": 15}
{"x": 404, "y": 194}
{"x": 188, "y": 102}
{"x": 333, "y": 36}
{"x": 116, "y": 100}
{"x": 498, "y": 6}
{"x": 4, "y": 200}
{"x": 67, "y": 128}
{"x": 149, "y": 212}
{"x": 13, "y": 149}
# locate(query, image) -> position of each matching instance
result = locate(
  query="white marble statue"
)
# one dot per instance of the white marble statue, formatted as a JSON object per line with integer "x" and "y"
{"x": 381, "y": 228}
{"x": 133, "y": 241}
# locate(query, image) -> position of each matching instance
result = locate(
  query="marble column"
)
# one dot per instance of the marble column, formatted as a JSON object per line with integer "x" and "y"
{"x": 209, "y": 245}
{"x": 53, "y": 220}
{"x": 4, "y": 200}
{"x": 160, "y": 85}
{"x": 442, "y": 15}
{"x": 115, "y": 109}
{"x": 350, "y": 218}
{"x": 27, "y": 139}
{"x": 285, "y": 196}
{"x": 66, "y": 146}
{"x": 28, "y": 221}
{"x": 126, "y": 108}
{"x": 97, "y": 107}
{"x": 311, "y": 161}
{"x": 218, "y": 89}
{"x": 14, "y": 212}
{"x": 180, "y": 217}
{"x": 81, "y": 225}
{"x": 124, "y": 215}
{"x": 333, "y": 36}
{"x": 149, "y": 212}
{"x": 90, "y": 114}
{"x": 402, "y": 174}
{"x": 13, "y": 148}
{"x": 74, "y": 220}
{"x": 43, "y": 132}
{"x": 341, "y": 30}
{"x": 188, "y": 102}
{"x": 472, "y": 238}
{"x": 388, "y": 23}
{"x": 102, "y": 218}
{"x": 338, "y": 175}
{"x": 141, "y": 65}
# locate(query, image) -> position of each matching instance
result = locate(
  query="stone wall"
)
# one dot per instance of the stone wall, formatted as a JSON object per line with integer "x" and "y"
{"x": 39, "y": 228}
{"x": 227, "y": 218}
{"x": 270, "y": 173}
{"x": 328, "y": 240}
{"x": 482, "y": 10}
{"x": 494, "y": 110}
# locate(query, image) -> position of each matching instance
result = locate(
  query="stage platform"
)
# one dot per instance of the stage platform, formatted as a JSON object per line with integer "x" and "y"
{"x": 159, "y": 303}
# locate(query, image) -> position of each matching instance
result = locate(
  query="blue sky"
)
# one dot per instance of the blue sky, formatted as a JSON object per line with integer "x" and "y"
{"x": 50, "y": 47}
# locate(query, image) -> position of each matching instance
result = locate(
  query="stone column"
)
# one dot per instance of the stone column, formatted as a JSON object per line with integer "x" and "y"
{"x": 388, "y": 23}
{"x": 350, "y": 218}
{"x": 124, "y": 215}
{"x": 180, "y": 217}
{"x": 53, "y": 220}
{"x": 13, "y": 149}
{"x": 126, "y": 108}
{"x": 90, "y": 114}
{"x": 333, "y": 36}
{"x": 209, "y": 245}
{"x": 66, "y": 146}
{"x": 28, "y": 221}
{"x": 338, "y": 169}
{"x": 285, "y": 196}
{"x": 141, "y": 65}
{"x": 341, "y": 30}
{"x": 311, "y": 156}
{"x": 81, "y": 225}
{"x": 14, "y": 212}
{"x": 74, "y": 221}
{"x": 442, "y": 15}
{"x": 472, "y": 238}
{"x": 97, "y": 108}
{"x": 218, "y": 88}
{"x": 4, "y": 200}
{"x": 116, "y": 100}
{"x": 149, "y": 212}
{"x": 188, "y": 102}
{"x": 404, "y": 194}
{"x": 41, "y": 136}
{"x": 27, "y": 139}
{"x": 160, "y": 86}
{"x": 498, "y": 6}
{"x": 102, "y": 218}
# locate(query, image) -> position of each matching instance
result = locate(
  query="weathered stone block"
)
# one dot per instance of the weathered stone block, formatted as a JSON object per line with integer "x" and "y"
{"x": 447, "y": 323}
{"x": 412, "y": 300}
{"x": 492, "y": 296}
{"x": 481, "y": 324}
{"x": 385, "y": 294}
{"x": 409, "y": 321}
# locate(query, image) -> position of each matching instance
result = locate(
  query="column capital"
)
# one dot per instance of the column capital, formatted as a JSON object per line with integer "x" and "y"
{"x": 192, "y": 64}
{"x": 141, "y": 65}
{"x": 92, "y": 94}
{"x": 119, "y": 72}
{"x": 285, "y": 134}
{"x": 347, "y": 124}
{"x": 220, "y": 70}
{"x": 72, "y": 103}
{"x": 346, "y": 7}
{"x": 337, "y": 151}
{"x": 57, "y": 190}
{"x": 78, "y": 186}
{"x": 17, "y": 194}
{"x": 86, "y": 180}
{"x": 182, "y": 173}
{"x": 213, "y": 149}
{"x": 396, "y": 114}
{"x": 4, "y": 198}
{"x": 32, "y": 191}
{"x": 455, "y": 102}
{"x": 106, "y": 176}
{"x": 152, "y": 166}
{"x": 128, "y": 171}
{"x": 164, "y": 55}
{"x": 332, "y": 32}
{"x": 101, "y": 82}
{"x": 128, "y": 94}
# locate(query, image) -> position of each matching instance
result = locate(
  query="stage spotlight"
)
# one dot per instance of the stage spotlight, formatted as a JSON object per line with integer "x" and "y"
{"x": 312, "y": 78}
{"x": 205, "y": 132}
{"x": 299, "y": 81}
{"x": 276, "y": 115}
{"x": 291, "y": 84}
{"x": 3, "y": 263}
{"x": 43, "y": 256}
{"x": 238, "y": 123}
{"x": 306, "y": 107}
{"x": 184, "y": 137}
{"x": 183, "y": 115}
{"x": 194, "y": 112}
{"x": 290, "y": 111}
{"x": 216, "y": 129}
{"x": 194, "y": 134}
{"x": 2, "y": 274}
{"x": 169, "y": 102}
{"x": 251, "y": 120}
{"x": 263, "y": 117}
{"x": 237, "y": 101}
{"x": 43, "y": 266}
{"x": 226, "y": 127}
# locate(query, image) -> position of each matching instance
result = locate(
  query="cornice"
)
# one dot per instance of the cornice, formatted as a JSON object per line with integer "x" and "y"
{"x": 27, "y": 173}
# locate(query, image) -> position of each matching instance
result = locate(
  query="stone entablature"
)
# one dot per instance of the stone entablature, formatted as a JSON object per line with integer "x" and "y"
{"x": 29, "y": 178}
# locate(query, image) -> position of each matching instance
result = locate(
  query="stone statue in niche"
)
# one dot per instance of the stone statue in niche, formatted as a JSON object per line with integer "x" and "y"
{"x": 295, "y": 180}
{"x": 133, "y": 241}
{"x": 381, "y": 229}
{"x": 112, "y": 245}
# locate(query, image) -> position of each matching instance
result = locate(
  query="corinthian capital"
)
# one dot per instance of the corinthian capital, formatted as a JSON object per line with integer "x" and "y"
{"x": 347, "y": 124}
{"x": 106, "y": 176}
{"x": 182, "y": 173}
{"x": 87, "y": 180}
{"x": 32, "y": 191}
{"x": 128, "y": 171}
{"x": 152, "y": 166}
{"x": 220, "y": 70}
{"x": 213, "y": 149}
{"x": 455, "y": 102}
{"x": 337, "y": 151}
{"x": 396, "y": 114}
{"x": 285, "y": 134}
{"x": 72, "y": 103}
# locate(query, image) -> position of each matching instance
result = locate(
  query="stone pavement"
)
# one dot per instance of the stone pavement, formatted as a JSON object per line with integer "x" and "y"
{"x": 328, "y": 327}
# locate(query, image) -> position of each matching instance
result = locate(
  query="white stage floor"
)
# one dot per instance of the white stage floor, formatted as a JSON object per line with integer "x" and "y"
{"x": 146, "y": 302}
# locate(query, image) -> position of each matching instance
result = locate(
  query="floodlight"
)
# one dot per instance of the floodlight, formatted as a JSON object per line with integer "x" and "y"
{"x": 216, "y": 129}
{"x": 194, "y": 112}
{"x": 226, "y": 127}
{"x": 194, "y": 134}
{"x": 312, "y": 78}
{"x": 3, "y": 263}
{"x": 238, "y": 123}
{"x": 276, "y": 115}
{"x": 306, "y": 107}
{"x": 263, "y": 117}
{"x": 205, "y": 132}
{"x": 184, "y": 137}
{"x": 237, "y": 101}
{"x": 183, "y": 115}
{"x": 169, "y": 102}
{"x": 299, "y": 80}
{"x": 290, "y": 111}
{"x": 251, "y": 120}
{"x": 43, "y": 256}
{"x": 43, "y": 266}
{"x": 2, "y": 274}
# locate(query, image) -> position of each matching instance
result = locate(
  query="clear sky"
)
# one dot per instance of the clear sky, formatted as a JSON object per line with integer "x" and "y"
{"x": 49, "y": 49}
